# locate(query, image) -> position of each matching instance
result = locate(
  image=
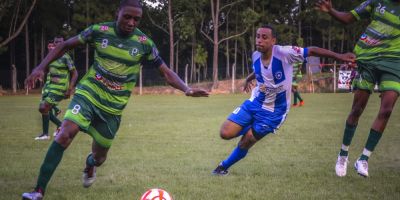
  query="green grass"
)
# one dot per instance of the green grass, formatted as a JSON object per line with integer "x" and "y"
{"x": 172, "y": 142}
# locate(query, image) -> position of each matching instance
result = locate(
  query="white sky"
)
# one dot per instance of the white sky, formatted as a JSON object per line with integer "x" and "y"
{"x": 152, "y": 4}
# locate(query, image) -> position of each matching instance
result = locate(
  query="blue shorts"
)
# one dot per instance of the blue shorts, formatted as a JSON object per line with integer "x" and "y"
{"x": 262, "y": 121}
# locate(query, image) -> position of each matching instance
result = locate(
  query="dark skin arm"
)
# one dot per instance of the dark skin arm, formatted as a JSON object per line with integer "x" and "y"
{"x": 248, "y": 84}
{"x": 326, "y": 6}
{"x": 39, "y": 71}
{"x": 320, "y": 52}
{"x": 74, "y": 78}
{"x": 173, "y": 79}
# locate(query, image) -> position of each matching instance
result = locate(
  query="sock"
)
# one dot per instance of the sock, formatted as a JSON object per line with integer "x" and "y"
{"x": 49, "y": 165}
{"x": 54, "y": 119}
{"x": 298, "y": 96}
{"x": 244, "y": 130}
{"x": 236, "y": 155}
{"x": 90, "y": 161}
{"x": 349, "y": 131}
{"x": 372, "y": 141}
{"x": 295, "y": 98}
{"x": 56, "y": 109}
{"x": 45, "y": 124}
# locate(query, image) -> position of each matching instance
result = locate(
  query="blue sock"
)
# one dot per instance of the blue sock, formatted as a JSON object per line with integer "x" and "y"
{"x": 244, "y": 130}
{"x": 236, "y": 155}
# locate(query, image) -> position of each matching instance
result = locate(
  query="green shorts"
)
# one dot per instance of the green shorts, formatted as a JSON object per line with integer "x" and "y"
{"x": 99, "y": 124}
{"x": 51, "y": 98}
{"x": 384, "y": 73}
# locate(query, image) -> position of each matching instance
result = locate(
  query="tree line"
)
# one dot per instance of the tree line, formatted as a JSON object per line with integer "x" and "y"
{"x": 207, "y": 39}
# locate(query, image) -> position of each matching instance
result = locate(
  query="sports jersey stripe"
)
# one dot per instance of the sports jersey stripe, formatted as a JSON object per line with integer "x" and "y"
{"x": 368, "y": 56}
{"x": 377, "y": 47}
{"x": 117, "y": 56}
{"x": 277, "y": 71}
{"x": 125, "y": 92}
{"x": 374, "y": 34}
{"x": 100, "y": 103}
{"x": 113, "y": 74}
{"x": 116, "y": 102}
{"x": 387, "y": 21}
{"x": 257, "y": 70}
{"x": 105, "y": 93}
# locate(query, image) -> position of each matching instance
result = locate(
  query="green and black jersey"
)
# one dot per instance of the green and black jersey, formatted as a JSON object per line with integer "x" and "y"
{"x": 382, "y": 37}
{"x": 113, "y": 75}
{"x": 58, "y": 77}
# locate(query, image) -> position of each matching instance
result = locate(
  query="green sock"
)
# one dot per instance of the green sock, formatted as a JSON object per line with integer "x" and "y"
{"x": 295, "y": 97}
{"x": 372, "y": 141}
{"x": 298, "y": 96}
{"x": 90, "y": 160}
{"x": 54, "y": 119}
{"x": 349, "y": 131}
{"x": 45, "y": 124}
{"x": 56, "y": 109}
{"x": 49, "y": 165}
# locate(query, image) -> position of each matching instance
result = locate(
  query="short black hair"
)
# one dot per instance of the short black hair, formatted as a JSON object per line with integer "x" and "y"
{"x": 134, "y": 3}
{"x": 273, "y": 32}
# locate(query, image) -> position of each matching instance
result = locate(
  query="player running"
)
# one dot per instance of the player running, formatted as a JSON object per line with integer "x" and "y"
{"x": 60, "y": 83}
{"x": 378, "y": 61}
{"x": 102, "y": 94}
{"x": 297, "y": 76}
{"x": 269, "y": 103}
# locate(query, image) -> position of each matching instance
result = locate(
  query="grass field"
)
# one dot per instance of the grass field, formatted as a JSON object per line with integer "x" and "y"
{"x": 172, "y": 142}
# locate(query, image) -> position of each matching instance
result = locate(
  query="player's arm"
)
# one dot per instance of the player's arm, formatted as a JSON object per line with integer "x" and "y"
{"x": 326, "y": 6}
{"x": 38, "y": 72}
{"x": 173, "y": 79}
{"x": 248, "y": 82}
{"x": 320, "y": 52}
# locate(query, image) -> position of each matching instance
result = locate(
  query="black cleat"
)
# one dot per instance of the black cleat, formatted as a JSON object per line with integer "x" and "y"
{"x": 220, "y": 171}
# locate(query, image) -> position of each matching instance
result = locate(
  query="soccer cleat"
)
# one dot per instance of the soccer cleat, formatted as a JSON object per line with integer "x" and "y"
{"x": 361, "y": 167}
{"x": 341, "y": 165}
{"x": 42, "y": 137}
{"x": 301, "y": 103}
{"x": 32, "y": 196}
{"x": 89, "y": 176}
{"x": 220, "y": 171}
{"x": 56, "y": 132}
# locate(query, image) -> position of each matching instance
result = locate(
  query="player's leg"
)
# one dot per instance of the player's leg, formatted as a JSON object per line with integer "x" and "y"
{"x": 295, "y": 97}
{"x": 96, "y": 158}
{"x": 44, "y": 109}
{"x": 237, "y": 123}
{"x": 390, "y": 90}
{"x": 53, "y": 117}
{"x": 53, "y": 157}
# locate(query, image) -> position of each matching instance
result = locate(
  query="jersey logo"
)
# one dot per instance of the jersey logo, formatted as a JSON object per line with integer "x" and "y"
{"x": 142, "y": 39}
{"x": 278, "y": 75}
{"x": 296, "y": 49}
{"x": 134, "y": 51}
{"x": 104, "y": 28}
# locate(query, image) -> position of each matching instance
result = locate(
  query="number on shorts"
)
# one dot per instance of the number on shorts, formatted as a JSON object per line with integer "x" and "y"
{"x": 104, "y": 43}
{"x": 76, "y": 109}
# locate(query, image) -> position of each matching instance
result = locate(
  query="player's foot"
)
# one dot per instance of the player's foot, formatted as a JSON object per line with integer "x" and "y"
{"x": 56, "y": 132}
{"x": 42, "y": 137}
{"x": 301, "y": 103}
{"x": 341, "y": 165}
{"x": 32, "y": 196}
{"x": 89, "y": 176}
{"x": 295, "y": 105}
{"x": 220, "y": 171}
{"x": 361, "y": 167}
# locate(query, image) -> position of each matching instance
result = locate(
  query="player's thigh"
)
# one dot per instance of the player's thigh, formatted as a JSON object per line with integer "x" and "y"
{"x": 230, "y": 129}
{"x": 80, "y": 111}
{"x": 104, "y": 128}
{"x": 67, "y": 133}
{"x": 239, "y": 118}
{"x": 366, "y": 78}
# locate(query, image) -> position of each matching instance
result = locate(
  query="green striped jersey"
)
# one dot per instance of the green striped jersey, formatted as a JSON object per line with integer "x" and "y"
{"x": 58, "y": 77}
{"x": 110, "y": 80}
{"x": 382, "y": 37}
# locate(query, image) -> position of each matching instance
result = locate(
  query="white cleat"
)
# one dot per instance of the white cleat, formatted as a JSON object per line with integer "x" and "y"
{"x": 32, "y": 196}
{"x": 341, "y": 165}
{"x": 361, "y": 167}
{"x": 42, "y": 137}
{"x": 89, "y": 176}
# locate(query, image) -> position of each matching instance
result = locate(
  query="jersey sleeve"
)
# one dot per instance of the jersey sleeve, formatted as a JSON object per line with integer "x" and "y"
{"x": 87, "y": 35}
{"x": 364, "y": 10}
{"x": 294, "y": 54}
{"x": 69, "y": 62}
{"x": 152, "y": 56}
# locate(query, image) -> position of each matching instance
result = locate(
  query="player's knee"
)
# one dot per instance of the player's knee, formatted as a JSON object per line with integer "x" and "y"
{"x": 225, "y": 134}
{"x": 99, "y": 160}
{"x": 357, "y": 111}
{"x": 44, "y": 108}
{"x": 385, "y": 113}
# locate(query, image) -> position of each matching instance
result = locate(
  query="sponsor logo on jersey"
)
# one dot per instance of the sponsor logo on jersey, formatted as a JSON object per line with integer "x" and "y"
{"x": 278, "y": 75}
{"x": 296, "y": 49}
{"x": 109, "y": 84}
{"x": 142, "y": 38}
{"x": 370, "y": 41}
{"x": 265, "y": 89}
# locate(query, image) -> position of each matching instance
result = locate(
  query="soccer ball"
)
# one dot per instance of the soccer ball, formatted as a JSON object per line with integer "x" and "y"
{"x": 156, "y": 194}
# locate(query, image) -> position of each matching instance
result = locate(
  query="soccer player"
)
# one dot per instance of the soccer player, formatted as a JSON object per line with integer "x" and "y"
{"x": 102, "y": 94}
{"x": 378, "y": 61}
{"x": 297, "y": 75}
{"x": 60, "y": 83}
{"x": 269, "y": 103}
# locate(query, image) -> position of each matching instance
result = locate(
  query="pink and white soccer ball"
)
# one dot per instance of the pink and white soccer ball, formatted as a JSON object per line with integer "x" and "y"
{"x": 156, "y": 194}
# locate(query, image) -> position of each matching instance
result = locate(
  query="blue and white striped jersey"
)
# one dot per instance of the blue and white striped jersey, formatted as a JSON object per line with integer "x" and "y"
{"x": 274, "y": 81}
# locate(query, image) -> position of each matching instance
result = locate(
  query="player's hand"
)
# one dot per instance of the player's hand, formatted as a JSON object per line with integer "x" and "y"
{"x": 248, "y": 85}
{"x": 347, "y": 57}
{"x": 323, "y": 5}
{"x": 69, "y": 92}
{"x": 37, "y": 74}
{"x": 193, "y": 92}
